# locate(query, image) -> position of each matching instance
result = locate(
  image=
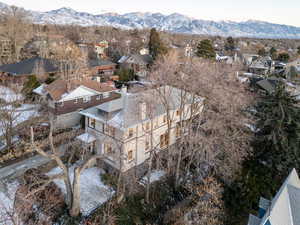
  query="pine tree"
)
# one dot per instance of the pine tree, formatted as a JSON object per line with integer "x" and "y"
{"x": 298, "y": 50}
{"x": 276, "y": 151}
{"x": 273, "y": 53}
{"x": 230, "y": 44}
{"x": 156, "y": 46}
{"x": 205, "y": 50}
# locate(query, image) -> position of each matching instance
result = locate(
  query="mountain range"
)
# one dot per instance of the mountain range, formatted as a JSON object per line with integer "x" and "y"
{"x": 176, "y": 23}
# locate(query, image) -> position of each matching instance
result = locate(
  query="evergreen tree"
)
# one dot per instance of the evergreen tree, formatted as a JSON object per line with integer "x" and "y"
{"x": 30, "y": 84}
{"x": 273, "y": 53}
{"x": 206, "y": 50}
{"x": 276, "y": 151}
{"x": 284, "y": 57}
{"x": 156, "y": 46}
{"x": 298, "y": 50}
{"x": 230, "y": 44}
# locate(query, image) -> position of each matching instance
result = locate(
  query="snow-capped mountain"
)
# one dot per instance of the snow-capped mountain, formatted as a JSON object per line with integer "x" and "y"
{"x": 174, "y": 23}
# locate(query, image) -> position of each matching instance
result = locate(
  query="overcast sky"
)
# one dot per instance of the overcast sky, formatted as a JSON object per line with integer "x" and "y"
{"x": 277, "y": 11}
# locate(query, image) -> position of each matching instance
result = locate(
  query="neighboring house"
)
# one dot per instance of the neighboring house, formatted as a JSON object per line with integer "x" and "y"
{"x": 249, "y": 58}
{"x": 123, "y": 130}
{"x": 284, "y": 208}
{"x": 138, "y": 63}
{"x": 65, "y": 99}
{"x": 101, "y": 69}
{"x": 262, "y": 66}
{"x": 18, "y": 72}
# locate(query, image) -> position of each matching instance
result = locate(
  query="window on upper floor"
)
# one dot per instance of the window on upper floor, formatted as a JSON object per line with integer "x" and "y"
{"x": 92, "y": 123}
{"x": 165, "y": 119}
{"x": 147, "y": 143}
{"x": 106, "y": 94}
{"x": 99, "y": 97}
{"x": 147, "y": 126}
{"x": 178, "y": 130}
{"x": 164, "y": 140}
{"x": 130, "y": 132}
{"x": 130, "y": 155}
{"x": 143, "y": 110}
{"x": 87, "y": 99}
{"x": 108, "y": 148}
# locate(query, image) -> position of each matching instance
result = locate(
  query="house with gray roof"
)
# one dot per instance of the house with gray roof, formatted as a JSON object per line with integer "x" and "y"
{"x": 138, "y": 63}
{"x": 127, "y": 129}
{"x": 262, "y": 66}
{"x": 284, "y": 208}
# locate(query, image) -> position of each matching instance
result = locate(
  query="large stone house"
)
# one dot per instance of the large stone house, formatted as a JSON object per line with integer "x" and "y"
{"x": 125, "y": 130}
{"x": 284, "y": 209}
{"x": 65, "y": 99}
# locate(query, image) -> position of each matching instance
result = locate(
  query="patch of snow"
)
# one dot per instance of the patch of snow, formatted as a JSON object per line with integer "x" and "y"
{"x": 155, "y": 175}
{"x": 252, "y": 127}
{"x": 86, "y": 138}
{"x": 7, "y": 198}
{"x": 8, "y": 95}
{"x": 93, "y": 192}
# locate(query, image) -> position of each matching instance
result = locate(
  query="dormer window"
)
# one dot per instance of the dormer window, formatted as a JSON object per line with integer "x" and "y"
{"x": 98, "y": 97}
{"x": 106, "y": 94}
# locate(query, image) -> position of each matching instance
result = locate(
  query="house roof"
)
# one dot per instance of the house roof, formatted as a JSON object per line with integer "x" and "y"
{"x": 285, "y": 206}
{"x": 124, "y": 112}
{"x": 59, "y": 88}
{"x": 137, "y": 59}
{"x": 266, "y": 85}
{"x": 30, "y": 66}
{"x": 100, "y": 62}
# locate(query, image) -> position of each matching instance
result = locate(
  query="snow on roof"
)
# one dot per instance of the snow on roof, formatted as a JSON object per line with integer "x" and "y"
{"x": 86, "y": 138}
{"x": 93, "y": 192}
{"x": 79, "y": 92}
{"x": 40, "y": 90}
{"x": 285, "y": 206}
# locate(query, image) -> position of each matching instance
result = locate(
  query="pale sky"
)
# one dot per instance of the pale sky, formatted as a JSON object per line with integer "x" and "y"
{"x": 276, "y": 11}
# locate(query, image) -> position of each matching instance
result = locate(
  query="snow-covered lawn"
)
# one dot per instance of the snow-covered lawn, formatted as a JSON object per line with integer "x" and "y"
{"x": 155, "y": 175}
{"x": 8, "y": 95}
{"x": 6, "y": 202}
{"x": 93, "y": 192}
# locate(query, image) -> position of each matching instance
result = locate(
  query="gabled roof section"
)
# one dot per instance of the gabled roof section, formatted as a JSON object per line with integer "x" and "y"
{"x": 30, "y": 66}
{"x": 137, "y": 59}
{"x": 285, "y": 206}
{"x": 60, "y": 88}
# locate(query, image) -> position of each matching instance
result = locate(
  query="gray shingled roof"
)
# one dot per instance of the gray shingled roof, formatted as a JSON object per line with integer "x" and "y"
{"x": 285, "y": 206}
{"x": 99, "y": 62}
{"x": 29, "y": 66}
{"x": 124, "y": 111}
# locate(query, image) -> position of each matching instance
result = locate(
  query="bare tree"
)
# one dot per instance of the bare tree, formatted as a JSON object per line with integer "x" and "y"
{"x": 16, "y": 28}
{"x": 72, "y": 188}
{"x": 12, "y": 114}
{"x": 217, "y": 136}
